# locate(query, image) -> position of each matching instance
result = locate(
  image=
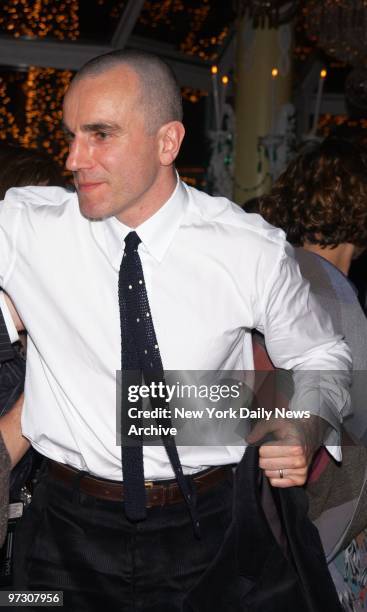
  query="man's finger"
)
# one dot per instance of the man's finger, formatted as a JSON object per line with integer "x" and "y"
{"x": 281, "y": 449}
{"x": 288, "y": 474}
{"x": 284, "y": 483}
{"x": 283, "y": 463}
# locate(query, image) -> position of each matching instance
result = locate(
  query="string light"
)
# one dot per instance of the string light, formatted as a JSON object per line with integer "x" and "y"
{"x": 43, "y": 112}
{"x": 195, "y": 44}
{"x": 8, "y": 126}
{"x": 166, "y": 13}
{"x": 191, "y": 45}
{"x": 40, "y": 18}
{"x": 43, "y": 88}
{"x": 192, "y": 95}
{"x": 225, "y": 79}
{"x": 116, "y": 9}
{"x": 327, "y": 122}
{"x": 155, "y": 13}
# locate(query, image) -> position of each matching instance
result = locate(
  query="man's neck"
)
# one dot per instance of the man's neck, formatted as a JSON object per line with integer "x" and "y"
{"x": 341, "y": 256}
{"x": 152, "y": 200}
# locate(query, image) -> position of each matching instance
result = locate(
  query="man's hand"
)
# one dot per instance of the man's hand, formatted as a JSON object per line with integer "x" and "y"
{"x": 291, "y": 448}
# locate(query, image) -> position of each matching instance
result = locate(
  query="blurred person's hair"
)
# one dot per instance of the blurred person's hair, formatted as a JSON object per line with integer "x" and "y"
{"x": 321, "y": 198}
{"x": 21, "y": 167}
{"x": 252, "y": 205}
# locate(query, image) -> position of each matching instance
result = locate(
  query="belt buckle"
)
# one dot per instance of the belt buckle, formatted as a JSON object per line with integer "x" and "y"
{"x": 150, "y": 485}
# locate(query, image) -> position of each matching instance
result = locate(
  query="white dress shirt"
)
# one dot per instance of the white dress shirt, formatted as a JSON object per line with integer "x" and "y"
{"x": 212, "y": 274}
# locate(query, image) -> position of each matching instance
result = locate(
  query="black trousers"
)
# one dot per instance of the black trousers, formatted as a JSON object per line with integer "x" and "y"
{"x": 87, "y": 548}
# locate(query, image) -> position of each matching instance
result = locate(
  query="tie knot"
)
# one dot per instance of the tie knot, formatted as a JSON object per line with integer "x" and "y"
{"x": 132, "y": 242}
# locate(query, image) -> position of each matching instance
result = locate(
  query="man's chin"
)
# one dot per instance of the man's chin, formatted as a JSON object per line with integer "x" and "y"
{"x": 91, "y": 211}
{"x": 93, "y": 217}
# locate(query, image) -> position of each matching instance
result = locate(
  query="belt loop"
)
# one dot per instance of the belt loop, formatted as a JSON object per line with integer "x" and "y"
{"x": 75, "y": 487}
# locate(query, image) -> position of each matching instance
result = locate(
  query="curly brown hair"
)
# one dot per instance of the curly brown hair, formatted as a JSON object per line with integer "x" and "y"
{"x": 20, "y": 167}
{"x": 322, "y": 196}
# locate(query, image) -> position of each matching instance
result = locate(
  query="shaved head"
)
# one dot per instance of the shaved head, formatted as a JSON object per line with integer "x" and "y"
{"x": 159, "y": 95}
{"x": 122, "y": 117}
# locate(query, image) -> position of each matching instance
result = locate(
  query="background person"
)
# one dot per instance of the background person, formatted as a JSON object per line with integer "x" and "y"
{"x": 320, "y": 201}
{"x": 18, "y": 167}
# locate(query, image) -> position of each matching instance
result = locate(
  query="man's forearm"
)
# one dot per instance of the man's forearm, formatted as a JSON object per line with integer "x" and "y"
{"x": 10, "y": 428}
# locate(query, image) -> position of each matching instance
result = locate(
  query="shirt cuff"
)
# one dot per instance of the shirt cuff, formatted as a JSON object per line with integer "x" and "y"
{"x": 335, "y": 452}
{"x": 12, "y": 330}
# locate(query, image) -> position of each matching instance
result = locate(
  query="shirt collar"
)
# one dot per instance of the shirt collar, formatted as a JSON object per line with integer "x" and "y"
{"x": 156, "y": 233}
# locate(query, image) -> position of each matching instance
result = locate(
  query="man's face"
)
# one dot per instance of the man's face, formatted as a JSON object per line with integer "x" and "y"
{"x": 114, "y": 160}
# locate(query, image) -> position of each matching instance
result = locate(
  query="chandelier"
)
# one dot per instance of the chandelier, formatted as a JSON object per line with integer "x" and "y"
{"x": 267, "y": 13}
{"x": 339, "y": 27}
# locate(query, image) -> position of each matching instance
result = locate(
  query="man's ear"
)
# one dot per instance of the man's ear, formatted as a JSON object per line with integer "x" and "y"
{"x": 170, "y": 137}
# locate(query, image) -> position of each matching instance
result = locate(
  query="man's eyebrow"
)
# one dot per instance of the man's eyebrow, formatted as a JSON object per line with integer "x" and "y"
{"x": 95, "y": 127}
{"x": 101, "y": 127}
{"x": 65, "y": 128}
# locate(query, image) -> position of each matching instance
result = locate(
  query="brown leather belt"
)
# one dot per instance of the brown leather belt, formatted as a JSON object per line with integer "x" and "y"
{"x": 158, "y": 492}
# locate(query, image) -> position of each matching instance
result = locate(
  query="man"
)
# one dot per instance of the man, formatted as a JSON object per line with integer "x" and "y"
{"x": 62, "y": 264}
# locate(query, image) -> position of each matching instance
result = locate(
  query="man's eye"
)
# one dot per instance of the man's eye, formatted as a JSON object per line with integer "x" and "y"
{"x": 101, "y": 135}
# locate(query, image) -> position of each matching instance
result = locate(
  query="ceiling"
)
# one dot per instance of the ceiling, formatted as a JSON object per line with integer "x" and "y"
{"x": 42, "y": 42}
{"x": 64, "y": 34}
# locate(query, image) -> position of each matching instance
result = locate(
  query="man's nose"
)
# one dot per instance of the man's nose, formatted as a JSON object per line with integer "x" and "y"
{"x": 79, "y": 156}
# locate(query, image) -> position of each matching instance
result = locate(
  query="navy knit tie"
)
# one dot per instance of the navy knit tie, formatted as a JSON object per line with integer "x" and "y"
{"x": 140, "y": 358}
{"x": 133, "y": 301}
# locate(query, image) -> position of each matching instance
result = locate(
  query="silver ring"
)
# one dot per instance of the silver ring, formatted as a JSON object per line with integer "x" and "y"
{"x": 281, "y": 474}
